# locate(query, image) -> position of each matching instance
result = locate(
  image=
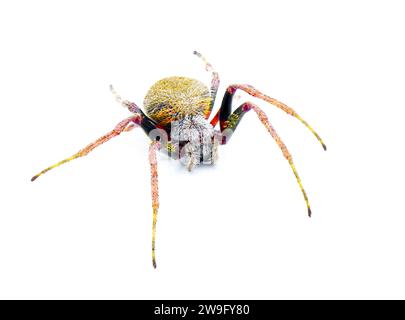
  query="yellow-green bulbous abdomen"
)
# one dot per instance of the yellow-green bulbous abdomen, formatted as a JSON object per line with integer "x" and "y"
{"x": 173, "y": 98}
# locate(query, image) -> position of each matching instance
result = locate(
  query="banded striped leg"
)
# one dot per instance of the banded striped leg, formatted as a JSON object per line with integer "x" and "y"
{"x": 125, "y": 125}
{"x": 229, "y": 126}
{"x": 146, "y": 123}
{"x": 155, "y": 145}
{"x": 226, "y": 107}
{"x": 214, "y": 82}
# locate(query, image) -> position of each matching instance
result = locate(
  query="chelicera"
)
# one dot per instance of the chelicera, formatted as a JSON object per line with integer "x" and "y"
{"x": 175, "y": 119}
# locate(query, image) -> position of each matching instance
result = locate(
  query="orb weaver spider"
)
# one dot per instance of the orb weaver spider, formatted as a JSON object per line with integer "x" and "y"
{"x": 176, "y": 120}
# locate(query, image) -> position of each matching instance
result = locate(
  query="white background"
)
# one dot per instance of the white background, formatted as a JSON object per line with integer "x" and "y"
{"x": 236, "y": 230}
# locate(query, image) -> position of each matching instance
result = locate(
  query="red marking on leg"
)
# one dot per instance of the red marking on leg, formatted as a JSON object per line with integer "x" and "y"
{"x": 215, "y": 120}
{"x": 231, "y": 89}
{"x": 246, "y": 106}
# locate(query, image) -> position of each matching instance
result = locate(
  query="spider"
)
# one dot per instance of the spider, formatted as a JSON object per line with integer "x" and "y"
{"x": 176, "y": 120}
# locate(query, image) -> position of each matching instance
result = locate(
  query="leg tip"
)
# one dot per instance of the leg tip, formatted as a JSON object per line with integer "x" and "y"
{"x": 324, "y": 146}
{"x": 309, "y": 212}
{"x": 154, "y": 264}
{"x": 34, "y": 178}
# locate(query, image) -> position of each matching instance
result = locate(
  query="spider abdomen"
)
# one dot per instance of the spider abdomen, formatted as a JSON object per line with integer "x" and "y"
{"x": 173, "y": 98}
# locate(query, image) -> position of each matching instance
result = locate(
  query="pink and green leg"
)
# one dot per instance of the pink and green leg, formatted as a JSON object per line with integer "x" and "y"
{"x": 229, "y": 122}
{"x": 229, "y": 126}
{"x": 154, "y": 147}
{"x": 214, "y": 80}
{"x": 125, "y": 125}
{"x": 227, "y": 105}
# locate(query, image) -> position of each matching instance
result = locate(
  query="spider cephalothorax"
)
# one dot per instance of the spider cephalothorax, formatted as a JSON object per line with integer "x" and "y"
{"x": 196, "y": 141}
{"x": 176, "y": 120}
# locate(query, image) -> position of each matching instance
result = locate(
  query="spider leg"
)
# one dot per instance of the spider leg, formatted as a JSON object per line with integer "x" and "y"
{"x": 229, "y": 126}
{"x": 226, "y": 107}
{"x": 146, "y": 123}
{"x": 125, "y": 125}
{"x": 155, "y": 145}
{"x": 214, "y": 82}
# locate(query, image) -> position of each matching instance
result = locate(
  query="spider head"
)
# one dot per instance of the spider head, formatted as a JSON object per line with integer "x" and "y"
{"x": 196, "y": 139}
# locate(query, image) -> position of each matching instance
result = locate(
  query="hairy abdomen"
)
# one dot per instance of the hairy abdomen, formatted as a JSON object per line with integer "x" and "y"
{"x": 173, "y": 98}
